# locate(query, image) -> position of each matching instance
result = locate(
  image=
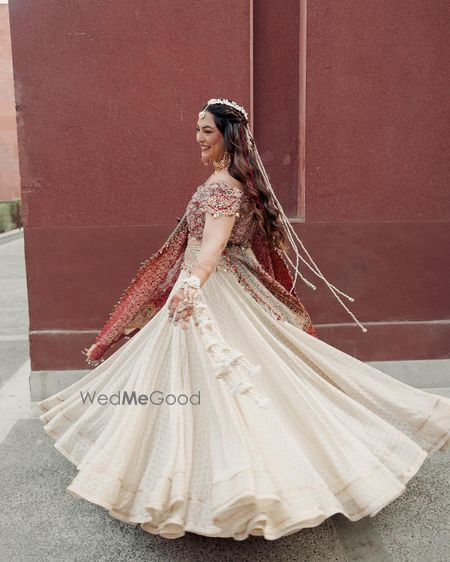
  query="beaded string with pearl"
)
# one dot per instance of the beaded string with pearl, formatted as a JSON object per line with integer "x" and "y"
{"x": 290, "y": 234}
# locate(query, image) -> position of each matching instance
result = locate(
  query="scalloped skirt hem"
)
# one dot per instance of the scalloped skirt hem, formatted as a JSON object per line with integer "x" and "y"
{"x": 252, "y": 514}
{"x": 249, "y": 513}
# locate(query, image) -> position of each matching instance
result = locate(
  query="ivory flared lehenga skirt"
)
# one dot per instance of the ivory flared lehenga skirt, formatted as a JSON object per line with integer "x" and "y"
{"x": 337, "y": 436}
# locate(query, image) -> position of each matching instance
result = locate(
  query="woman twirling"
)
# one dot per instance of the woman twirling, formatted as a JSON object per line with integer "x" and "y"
{"x": 232, "y": 417}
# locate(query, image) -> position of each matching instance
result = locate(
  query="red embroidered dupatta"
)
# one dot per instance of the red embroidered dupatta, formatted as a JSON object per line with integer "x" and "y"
{"x": 148, "y": 291}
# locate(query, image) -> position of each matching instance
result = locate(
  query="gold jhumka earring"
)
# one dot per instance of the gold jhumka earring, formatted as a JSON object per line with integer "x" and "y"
{"x": 220, "y": 165}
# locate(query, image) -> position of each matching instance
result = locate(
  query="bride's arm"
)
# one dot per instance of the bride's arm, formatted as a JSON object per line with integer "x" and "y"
{"x": 216, "y": 234}
{"x": 220, "y": 210}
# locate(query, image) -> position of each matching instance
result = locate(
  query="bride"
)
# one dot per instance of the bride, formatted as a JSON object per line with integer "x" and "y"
{"x": 223, "y": 413}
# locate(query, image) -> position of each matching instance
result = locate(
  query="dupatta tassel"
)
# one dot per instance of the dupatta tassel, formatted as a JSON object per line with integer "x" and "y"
{"x": 241, "y": 387}
{"x": 230, "y": 364}
{"x": 225, "y": 361}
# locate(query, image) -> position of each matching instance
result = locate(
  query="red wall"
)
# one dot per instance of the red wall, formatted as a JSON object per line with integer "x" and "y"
{"x": 107, "y": 102}
{"x": 377, "y": 172}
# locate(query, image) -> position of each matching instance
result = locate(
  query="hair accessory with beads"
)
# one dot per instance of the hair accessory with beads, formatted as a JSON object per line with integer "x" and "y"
{"x": 223, "y": 101}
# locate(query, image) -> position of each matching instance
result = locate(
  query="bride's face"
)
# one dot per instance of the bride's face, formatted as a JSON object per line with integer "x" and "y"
{"x": 210, "y": 139}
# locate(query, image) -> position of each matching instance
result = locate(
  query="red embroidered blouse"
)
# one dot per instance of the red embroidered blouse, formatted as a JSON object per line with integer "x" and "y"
{"x": 221, "y": 198}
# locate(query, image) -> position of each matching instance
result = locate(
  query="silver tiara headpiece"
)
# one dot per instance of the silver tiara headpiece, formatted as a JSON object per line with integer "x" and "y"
{"x": 289, "y": 229}
{"x": 223, "y": 102}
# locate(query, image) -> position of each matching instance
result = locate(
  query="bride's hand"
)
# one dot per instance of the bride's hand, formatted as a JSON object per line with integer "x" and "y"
{"x": 88, "y": 352}
{"x": 176, "y": 314}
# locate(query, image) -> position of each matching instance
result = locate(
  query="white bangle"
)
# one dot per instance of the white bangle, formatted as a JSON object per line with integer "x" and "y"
{"x": 191, "y": 288}
{"x": 192, "y": 281}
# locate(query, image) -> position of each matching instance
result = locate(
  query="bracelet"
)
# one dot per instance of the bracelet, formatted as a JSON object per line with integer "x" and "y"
{"x": 191, "y": 288}
{"x": 192, "y": 281}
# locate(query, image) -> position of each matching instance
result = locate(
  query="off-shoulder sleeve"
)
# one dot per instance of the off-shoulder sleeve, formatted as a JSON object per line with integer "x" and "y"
{"x": 222, "y": 199}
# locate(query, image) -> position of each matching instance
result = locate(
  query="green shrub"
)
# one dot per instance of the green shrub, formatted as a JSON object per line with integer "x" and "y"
{"x": 6, "y": 222}
{"x": 16, "y": 212}
{"x": 10, "y": 215}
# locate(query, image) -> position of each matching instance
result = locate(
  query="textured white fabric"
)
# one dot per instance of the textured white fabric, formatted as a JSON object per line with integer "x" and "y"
{"x": 338, "y": 436}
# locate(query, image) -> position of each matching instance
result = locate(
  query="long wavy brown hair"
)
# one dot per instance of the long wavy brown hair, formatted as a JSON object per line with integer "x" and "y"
{"x": 243, "y": 167}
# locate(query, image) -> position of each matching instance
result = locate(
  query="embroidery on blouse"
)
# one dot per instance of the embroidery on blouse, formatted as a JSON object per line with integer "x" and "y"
{"x": 221, "y": 198}
{"x": 224, "y": 199}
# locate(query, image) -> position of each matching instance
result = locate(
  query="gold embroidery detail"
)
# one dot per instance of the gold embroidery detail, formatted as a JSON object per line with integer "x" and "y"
{"x": 221, "y": 198}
